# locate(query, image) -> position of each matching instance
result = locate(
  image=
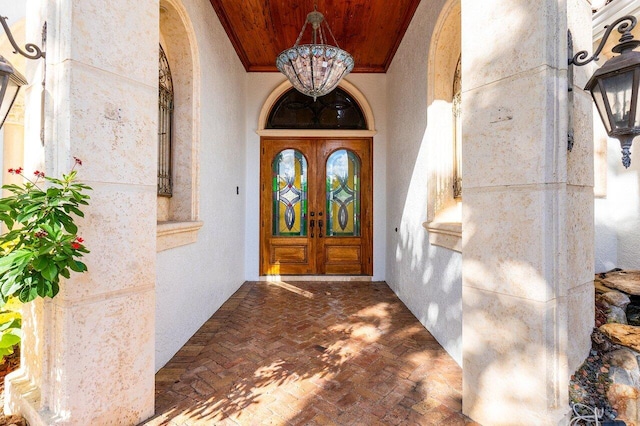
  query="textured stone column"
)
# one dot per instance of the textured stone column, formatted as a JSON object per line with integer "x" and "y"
{"x": 528, "y": 210}
{"x": 89, "y": 353}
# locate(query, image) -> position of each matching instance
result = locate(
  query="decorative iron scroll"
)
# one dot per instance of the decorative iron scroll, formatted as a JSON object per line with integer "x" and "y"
{"x": 624, "y": 28}
{"x": 457, "y": 130}
{"x": 165, "y": 126}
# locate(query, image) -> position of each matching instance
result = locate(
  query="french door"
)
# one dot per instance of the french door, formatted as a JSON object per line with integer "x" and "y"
{"x": 315, "y": 206}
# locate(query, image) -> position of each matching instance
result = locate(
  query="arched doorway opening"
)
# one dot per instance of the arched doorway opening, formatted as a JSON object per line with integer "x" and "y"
{"x": 316, "y": 185}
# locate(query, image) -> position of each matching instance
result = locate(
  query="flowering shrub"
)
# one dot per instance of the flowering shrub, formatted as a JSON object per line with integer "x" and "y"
{"x": 41, "y": 242}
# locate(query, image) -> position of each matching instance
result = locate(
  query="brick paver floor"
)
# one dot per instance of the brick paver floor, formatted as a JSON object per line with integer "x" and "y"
{"x": 310, "y": 353}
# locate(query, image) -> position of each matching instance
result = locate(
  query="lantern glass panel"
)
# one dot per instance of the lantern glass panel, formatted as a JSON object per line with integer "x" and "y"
{"x": 619, "y": 90}
{"x": 10, "y": 94}
{"x": 636, "y": 86}
{"x": 598, "y": 98}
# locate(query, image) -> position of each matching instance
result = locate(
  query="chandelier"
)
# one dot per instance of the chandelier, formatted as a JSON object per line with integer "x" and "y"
{"x": 315, "y": 69}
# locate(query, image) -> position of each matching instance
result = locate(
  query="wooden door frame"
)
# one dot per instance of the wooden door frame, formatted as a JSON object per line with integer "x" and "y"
{"x": 366, "y": 213}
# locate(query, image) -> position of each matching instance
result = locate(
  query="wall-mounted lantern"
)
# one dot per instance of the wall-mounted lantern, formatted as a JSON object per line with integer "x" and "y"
{"x": 10, "y": 83}
{"x": 614, "y": 87}
{"x": 10, "y": 79}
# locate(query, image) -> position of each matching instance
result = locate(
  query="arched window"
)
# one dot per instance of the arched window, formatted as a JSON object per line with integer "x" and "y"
{"x": 444, "y": 131}
{"x": 457, "y": 131}
{"x": 165, "y": 121}
{"x": 335, "y": 110}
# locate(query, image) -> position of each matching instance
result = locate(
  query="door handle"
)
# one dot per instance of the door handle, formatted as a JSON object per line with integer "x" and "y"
{"x": 312, "y": 223}
{"x": 320, "y": 226}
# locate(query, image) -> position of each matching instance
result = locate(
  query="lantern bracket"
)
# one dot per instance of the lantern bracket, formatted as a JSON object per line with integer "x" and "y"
{"x": 34, "y": 52}
{"x": 622, "y": 122}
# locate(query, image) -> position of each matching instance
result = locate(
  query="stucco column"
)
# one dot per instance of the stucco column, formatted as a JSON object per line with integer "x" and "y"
{"x": 528, "y": 210}
{"x": 89, "y": 353}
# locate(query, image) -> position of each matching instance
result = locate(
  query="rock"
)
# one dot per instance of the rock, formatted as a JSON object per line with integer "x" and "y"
{"x": 633, "y": 314}
{"x": 626, "y": 281}
{"x": 625, "y": 335}
{"x": 616, "y": 298}
{"x": 600, "y": 341}
{"x": 616, "y": 315}
{"x": 623, "y": 358}
{"x": 601, "y": 310}
{"x": 625, "y": 400}
{"x": 599, "y": 287}
{"x": 625, "y": 377}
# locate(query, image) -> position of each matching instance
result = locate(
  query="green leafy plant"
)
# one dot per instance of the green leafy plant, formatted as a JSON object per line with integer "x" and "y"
{"x": 41, "y": 242}
{"x": 10, "y": 327}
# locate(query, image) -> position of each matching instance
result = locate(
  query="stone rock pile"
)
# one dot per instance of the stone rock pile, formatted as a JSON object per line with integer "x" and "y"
{"x": 615, "y": 351}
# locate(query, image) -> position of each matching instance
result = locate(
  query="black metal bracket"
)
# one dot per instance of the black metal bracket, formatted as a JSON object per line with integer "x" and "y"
{"x": 624, "y": 28}
{"x": 570, "y": 89}
{"x": 34, "y": 52}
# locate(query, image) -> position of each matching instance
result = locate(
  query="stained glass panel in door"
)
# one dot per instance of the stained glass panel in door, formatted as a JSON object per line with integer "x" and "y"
{"x": 343, "y": 194}
{"x": 289, "y": 194}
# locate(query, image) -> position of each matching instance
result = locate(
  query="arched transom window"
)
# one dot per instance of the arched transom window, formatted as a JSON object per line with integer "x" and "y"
{"x": 335, "y": 110}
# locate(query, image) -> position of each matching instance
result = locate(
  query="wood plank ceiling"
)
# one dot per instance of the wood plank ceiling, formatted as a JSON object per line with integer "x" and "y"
{"x": 371, "y": 30}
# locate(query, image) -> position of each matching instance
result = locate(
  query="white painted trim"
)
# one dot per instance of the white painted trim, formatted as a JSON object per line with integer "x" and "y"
{"x": 344, "y": 85}
{"x": 611, "y": 12}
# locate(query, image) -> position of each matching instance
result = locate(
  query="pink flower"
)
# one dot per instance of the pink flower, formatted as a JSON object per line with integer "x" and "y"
{"x": 78, "y": 161}
{"x": 38, "y": 174}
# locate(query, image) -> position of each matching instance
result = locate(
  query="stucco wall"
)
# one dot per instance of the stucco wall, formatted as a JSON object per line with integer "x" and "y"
{"x": 427, "y": 278}
{"x": 623, "y": 199}
{"x": 259, "y": 86}
{"x": 196, "y": 279}
{"x": 617, "y": 215}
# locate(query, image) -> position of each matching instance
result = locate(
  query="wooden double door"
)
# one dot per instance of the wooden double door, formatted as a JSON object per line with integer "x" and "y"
{"x": 315, "y": 206}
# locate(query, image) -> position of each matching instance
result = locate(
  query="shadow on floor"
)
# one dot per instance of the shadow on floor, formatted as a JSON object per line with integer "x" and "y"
{"x": 310, "y": 353}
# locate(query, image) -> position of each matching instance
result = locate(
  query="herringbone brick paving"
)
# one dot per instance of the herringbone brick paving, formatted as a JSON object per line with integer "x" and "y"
{"x": 310, "y": 353}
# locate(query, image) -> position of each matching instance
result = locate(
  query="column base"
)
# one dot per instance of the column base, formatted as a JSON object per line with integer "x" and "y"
{"x": 22, "y": 397}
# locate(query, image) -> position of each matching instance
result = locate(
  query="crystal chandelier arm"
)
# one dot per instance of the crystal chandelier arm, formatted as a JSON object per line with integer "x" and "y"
{"x": 624, "y": 28}
{"x": 34, "y": 51}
